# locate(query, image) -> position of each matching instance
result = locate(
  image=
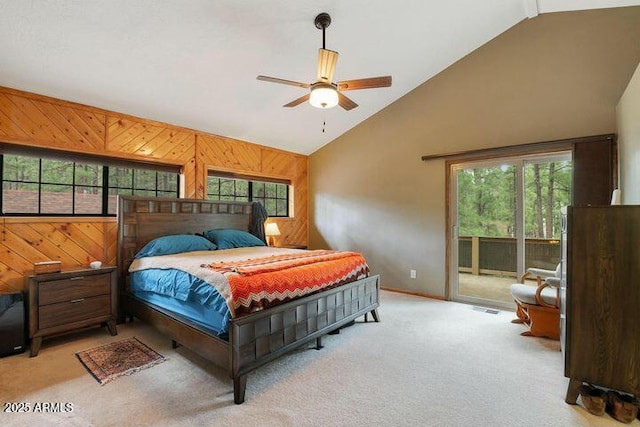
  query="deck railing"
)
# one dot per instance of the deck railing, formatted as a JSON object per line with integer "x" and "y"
{"x": 497, "y": 255}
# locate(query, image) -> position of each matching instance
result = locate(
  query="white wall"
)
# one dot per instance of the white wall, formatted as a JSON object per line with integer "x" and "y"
{"x": 628, "y": 121}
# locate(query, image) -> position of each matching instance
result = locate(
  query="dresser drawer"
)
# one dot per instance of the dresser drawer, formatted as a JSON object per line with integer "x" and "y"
{"x": 73, "y": 288}
{"x": 75, "y": 310}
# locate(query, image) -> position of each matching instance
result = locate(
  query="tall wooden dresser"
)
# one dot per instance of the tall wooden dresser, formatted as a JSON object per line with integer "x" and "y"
{"x": 601, "y": 300}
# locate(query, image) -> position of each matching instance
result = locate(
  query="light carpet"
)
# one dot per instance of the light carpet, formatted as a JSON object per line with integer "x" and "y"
{"x": 428, "y": 363}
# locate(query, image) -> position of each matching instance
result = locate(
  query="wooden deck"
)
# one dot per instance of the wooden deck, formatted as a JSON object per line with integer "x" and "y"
{"x": 487, "y": 287}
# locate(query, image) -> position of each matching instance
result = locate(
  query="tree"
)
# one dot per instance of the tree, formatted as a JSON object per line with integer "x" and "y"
{"x": 549, "y": 208}
{"x": 537, "y": 184}
{"x": 486, "y": 199}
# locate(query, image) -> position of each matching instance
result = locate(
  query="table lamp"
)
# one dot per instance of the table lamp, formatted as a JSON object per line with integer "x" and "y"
{"x": 271, "y": 229}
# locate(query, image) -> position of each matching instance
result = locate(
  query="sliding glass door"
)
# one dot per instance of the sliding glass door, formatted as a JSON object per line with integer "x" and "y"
{"x": 505, "y": 217}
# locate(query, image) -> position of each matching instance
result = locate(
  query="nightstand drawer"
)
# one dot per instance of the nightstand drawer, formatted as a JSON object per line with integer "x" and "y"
{"x": 73, "y": 288}
{"x": 74, "y": 310}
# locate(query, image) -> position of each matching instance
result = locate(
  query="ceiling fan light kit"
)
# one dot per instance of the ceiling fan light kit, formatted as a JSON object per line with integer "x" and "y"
{"x": 324, "y": 93}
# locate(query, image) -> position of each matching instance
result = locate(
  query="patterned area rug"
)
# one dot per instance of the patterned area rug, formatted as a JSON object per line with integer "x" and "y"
{"x": 110, "y": 361}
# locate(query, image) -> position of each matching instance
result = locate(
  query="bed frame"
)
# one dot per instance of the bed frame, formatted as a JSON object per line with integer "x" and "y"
{"x": 254, "y": 339}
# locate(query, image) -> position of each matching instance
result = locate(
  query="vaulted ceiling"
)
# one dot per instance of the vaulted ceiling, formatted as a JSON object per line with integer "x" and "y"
{"x": 194, "y": 63}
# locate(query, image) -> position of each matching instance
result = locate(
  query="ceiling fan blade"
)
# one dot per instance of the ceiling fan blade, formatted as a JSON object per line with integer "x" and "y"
{"x": 283, "y": 81}
{"x": 297, "y": 101}
{"x": 327, "y": 60}
{"x": 345, "y": 102}
{"x": 369, "y": 83}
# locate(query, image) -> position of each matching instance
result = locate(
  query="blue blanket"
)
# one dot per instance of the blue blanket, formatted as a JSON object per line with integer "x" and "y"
{"x": 192, "y": 292}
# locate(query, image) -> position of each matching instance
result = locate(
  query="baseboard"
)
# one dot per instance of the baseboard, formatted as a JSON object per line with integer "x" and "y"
{"x": 417, "y": 294}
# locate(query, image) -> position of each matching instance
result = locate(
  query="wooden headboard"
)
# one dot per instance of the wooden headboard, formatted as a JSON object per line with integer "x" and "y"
{"x": 142, "y": 219}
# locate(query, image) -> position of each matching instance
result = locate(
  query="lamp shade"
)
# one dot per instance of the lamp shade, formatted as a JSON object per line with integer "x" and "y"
{"x": 323, "y": 95}
{"x": 271, "y": 229}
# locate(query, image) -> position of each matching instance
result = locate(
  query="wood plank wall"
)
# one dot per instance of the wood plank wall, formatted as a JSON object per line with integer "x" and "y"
{"x": 39, "y": 121}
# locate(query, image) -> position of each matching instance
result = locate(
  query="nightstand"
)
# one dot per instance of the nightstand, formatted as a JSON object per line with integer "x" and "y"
{"x": 71, "y": 300}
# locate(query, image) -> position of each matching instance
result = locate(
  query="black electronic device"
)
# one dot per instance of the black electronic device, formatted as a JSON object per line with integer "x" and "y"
{"x": 13, "y": 330}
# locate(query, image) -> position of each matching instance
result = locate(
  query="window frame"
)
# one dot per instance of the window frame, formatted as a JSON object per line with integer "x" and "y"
{"x": 103, "y": 162}
{"x": 251, "y": 180}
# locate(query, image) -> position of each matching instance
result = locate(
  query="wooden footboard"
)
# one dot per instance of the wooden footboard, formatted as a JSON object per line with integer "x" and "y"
{"x": 259, "y": 338}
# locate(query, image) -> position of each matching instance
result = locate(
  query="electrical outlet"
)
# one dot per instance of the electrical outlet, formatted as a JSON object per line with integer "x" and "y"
{"x": 413, "y": 274}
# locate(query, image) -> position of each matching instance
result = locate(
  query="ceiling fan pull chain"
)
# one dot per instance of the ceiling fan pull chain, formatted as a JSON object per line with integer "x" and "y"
{"x": 324, "y": 119}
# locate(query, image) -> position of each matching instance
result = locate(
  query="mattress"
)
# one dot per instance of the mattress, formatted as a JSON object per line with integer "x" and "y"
{"x": 203, "y": 316}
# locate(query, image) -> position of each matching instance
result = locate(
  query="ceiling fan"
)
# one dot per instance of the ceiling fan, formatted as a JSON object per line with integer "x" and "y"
{"x": 324, "y": 93}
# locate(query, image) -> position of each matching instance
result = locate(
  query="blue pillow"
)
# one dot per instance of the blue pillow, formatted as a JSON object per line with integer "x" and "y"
{"x": 228, "y": 238}
{"x": 168, "y": 245}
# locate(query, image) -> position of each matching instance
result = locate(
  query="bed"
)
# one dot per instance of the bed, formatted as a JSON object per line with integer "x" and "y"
{"x": 251, "y": 339}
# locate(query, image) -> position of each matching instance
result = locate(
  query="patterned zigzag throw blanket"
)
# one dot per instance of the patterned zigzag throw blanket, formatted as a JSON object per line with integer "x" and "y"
{"x": 261, "y": 283}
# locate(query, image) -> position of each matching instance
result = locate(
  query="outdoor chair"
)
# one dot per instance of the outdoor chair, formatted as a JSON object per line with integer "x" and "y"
{"x": 538, "y": 306}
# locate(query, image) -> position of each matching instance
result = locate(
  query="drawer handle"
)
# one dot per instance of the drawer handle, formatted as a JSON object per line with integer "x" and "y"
{"x": 77, "y": 278}
{"x": 73, "y": 301}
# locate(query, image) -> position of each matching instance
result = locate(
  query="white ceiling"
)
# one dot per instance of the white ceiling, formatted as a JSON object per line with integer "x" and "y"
{"x": 194, "y": 63}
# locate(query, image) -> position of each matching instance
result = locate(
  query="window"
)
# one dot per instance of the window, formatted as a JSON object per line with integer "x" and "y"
{"x": 140, "y": 182}
{"x": 273, "y": 194}
{"x": 53, "y": 186}
{"x": 506, "y": 214}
